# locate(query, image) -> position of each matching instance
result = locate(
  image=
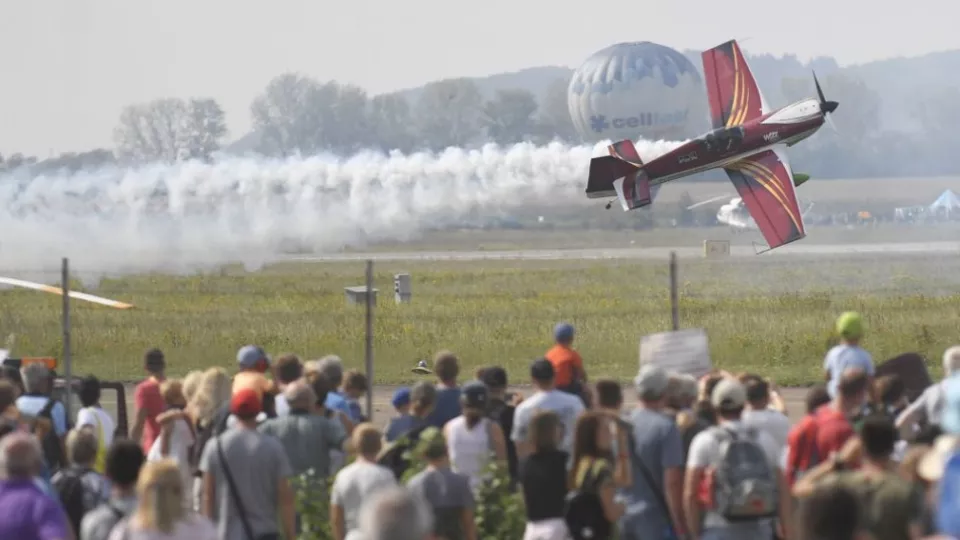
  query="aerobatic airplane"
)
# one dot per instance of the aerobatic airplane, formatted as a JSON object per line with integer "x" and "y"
{"x": 748, "y": 141}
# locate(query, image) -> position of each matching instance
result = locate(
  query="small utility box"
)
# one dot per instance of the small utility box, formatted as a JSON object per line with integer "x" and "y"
{"x": 401, "y": 288}
{"x": 358, "y": 295}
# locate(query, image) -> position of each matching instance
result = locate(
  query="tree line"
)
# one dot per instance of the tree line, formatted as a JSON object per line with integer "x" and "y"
{"x": 298, "y": 115}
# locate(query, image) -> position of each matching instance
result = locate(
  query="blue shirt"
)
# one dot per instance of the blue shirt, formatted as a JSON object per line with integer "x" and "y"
{"x": 843, "y": 357}
{"x": 336, "y": 402}
{"x": 657, "y": 442}
{"x": 400, "y": 425}
{"x": 354, "y": 411}
{"x": 447, "y": 407}
{"x": 32, "y": 405}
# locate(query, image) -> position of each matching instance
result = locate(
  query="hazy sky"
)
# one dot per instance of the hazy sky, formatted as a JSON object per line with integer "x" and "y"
{"x": 69, "y": 66}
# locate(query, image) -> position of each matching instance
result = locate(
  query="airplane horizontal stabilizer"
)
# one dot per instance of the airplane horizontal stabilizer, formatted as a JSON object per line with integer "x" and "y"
{"x": 623, "y": 160}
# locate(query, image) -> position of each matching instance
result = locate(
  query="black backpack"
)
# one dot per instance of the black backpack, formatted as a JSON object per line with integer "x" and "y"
{"x": 68, "y": 483}
{"x": 583, "y": 511}
{"x": 397, "y": 456}
{"x": 205, "y": 432}
{"x": 53, "y": 452}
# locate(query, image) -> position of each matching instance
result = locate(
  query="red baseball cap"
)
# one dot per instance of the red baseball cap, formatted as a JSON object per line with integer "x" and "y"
{"x": 246, "y": 402}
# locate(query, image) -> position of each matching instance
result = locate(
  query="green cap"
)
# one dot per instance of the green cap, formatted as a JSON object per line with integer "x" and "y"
{"x": 850, "y": 325}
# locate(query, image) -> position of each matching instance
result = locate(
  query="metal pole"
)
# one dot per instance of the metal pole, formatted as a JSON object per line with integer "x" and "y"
{"x": 368, "y": 353}
{"x": 67, "y": 359}
{"x": 674, "y": 296}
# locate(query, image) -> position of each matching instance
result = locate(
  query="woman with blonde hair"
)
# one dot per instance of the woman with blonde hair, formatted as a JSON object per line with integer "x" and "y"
{"x": 212, "y": 393}
{"x": 160, "y": 513}
{"x": 208, "y": 410}
{"x": 191, "y": 383}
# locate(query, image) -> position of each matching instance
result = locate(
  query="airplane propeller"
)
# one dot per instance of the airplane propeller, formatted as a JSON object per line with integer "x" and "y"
{"x": 826, "y": 107}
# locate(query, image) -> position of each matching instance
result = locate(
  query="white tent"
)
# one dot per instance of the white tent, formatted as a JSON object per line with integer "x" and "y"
{"x": 947, "y": 201}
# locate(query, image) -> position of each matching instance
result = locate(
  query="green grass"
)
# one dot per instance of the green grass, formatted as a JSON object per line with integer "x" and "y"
{"x": 767, "y": 314}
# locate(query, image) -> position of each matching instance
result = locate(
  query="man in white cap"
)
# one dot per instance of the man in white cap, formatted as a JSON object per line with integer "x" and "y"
{"x": 928, "y": 408}
{"x": 729, "y": 398}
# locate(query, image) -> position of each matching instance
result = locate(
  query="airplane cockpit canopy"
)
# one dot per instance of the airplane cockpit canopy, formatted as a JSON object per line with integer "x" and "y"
{"x": 723, "y": 139}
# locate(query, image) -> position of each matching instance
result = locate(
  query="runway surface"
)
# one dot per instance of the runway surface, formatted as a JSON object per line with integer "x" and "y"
{"x": 636, "y": 253}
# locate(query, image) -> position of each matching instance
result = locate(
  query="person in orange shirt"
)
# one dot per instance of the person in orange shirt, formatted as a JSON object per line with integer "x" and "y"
{"x": 567, "y": 364}
{"x": 254, "y": 364}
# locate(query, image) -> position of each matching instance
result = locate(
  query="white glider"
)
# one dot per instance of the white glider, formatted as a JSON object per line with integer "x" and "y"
{"x": 72, "y": 294}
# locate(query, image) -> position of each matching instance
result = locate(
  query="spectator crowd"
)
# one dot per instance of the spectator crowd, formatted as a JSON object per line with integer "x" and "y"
{"x": 216, "y": 457}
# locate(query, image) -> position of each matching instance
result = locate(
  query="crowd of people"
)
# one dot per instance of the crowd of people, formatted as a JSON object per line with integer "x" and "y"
{"x": 212, "y": 456}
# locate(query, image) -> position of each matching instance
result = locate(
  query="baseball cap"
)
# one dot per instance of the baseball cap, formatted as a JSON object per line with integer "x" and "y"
{"x": 563, "y": 332}
{"x": 652, "y": 379}
{"x": 494, "y": 377}
{"x": 249, "y": 355}
{"x": 728, "y": 394}
{"x": 541, "y": 370}
{"x": 850, "y": 325}
{"x": 474, "y": 395}
{"x": 246, "y": 402}
{"x": 401, "y": 397}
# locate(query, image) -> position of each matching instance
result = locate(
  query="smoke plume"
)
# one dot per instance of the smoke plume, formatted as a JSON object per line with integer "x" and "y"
{"x": 194, "y": 216}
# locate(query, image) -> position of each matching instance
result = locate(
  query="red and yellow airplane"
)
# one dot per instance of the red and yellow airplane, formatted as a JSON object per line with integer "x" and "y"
{"x": 748, "y": 141}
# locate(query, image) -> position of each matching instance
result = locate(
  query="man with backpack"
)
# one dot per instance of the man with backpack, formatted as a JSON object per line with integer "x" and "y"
{"x": 124, "y": 460}
{"x": 734, "y": 488}
{"x": 395, "y": 456}
{"x": 46, "y": 416}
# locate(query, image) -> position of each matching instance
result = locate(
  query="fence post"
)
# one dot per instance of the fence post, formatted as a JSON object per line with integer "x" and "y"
{"x": 67, "y": 353}
{"x": 674, "y": 296}
{"x": 368, "y": 352}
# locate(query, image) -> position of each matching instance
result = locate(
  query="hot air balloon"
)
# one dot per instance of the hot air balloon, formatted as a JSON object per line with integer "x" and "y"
{"x": 637, "y": 91}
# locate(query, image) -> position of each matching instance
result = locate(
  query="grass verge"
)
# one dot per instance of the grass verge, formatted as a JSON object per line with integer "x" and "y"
{"x": 762, "y": 314}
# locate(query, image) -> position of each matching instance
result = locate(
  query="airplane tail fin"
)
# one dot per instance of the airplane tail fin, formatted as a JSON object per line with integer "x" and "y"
{"x": 621, "y": 174}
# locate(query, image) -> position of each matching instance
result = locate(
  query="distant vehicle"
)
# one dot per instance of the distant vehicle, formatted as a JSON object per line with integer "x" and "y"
{"x": 111, "y": 392}
{"x": 748, "y": 142}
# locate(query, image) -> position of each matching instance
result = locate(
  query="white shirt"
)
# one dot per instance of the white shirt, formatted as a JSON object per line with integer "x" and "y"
{"x": 469, "y": 448}
{"x": 567, "y": 406}
{"x": 101, "y": 421}
{"x": 705, "y": 452}
{"x": 181, "y": 439}
{"x": 354, "y": 484}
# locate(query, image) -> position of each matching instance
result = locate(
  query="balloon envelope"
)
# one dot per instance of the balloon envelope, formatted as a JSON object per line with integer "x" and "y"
{"x": 637, "y": 91}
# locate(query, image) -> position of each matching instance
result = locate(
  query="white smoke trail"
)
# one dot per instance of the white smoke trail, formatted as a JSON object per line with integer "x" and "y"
{"x": 194, "y": 216}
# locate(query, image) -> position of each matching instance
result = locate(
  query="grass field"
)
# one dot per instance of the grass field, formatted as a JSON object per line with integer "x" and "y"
{"x": 765, "y": 314}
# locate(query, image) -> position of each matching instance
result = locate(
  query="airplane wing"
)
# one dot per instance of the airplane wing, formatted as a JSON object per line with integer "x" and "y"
{"x": 765, "y": 183}
{"x": 732, "y": 91}
{"x": 72, "y": 294}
